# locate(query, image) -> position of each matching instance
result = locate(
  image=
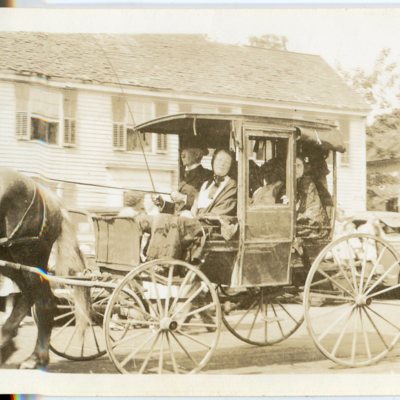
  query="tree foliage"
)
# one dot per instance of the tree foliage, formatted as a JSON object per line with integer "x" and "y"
{"x": 383, "y": 137}
{"x": 380, "y": 87}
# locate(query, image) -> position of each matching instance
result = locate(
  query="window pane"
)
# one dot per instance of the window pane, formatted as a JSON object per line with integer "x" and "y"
{"x": 139, "y": 111}
{"x": 44, "y": 102}
{"x": 44, "y": 131}
{"x": 133, "y": 141}
{"x": 118, "y": 109}
{"x": 52, "y": 132}
{"x": 38, "y": 129}
{"x": 267, "y": 171}
{"x": 69, "y": 103}
{"x": 22, "y": 96}
{"x": 161, "y": 109}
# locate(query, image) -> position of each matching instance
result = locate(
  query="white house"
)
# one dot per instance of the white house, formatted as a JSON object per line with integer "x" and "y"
{"x": 69, "y": 102}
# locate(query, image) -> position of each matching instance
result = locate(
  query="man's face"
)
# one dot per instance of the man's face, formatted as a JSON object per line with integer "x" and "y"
{"x": 222, "y": 164}
{"x": 189, "y": 157}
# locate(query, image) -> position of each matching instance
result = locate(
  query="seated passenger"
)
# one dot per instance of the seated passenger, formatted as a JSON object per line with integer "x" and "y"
{"x": 318, "y": 170}
{"x": 218, "y": 195}
{"x": 255, "y": 177}
{"x": 194, "y": 176}
{"x": 273, "y": 191}
{"x": 132, "y": 205}
{"x": 311, "y": 215}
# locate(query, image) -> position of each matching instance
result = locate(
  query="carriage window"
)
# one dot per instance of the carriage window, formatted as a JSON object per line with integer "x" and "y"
{"x": 267, "y": 171}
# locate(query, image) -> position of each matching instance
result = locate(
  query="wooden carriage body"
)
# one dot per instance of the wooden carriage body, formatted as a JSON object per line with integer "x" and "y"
{"x": 263, "y": 281}
{"x": 261, "y": 254}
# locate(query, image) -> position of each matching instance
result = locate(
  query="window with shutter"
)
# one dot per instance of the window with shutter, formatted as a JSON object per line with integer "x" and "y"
{"x": 118, "y": 111}
{"x": 138, "y": 141}
{"x": 69, "y": 106}
{"x": 44, "y": 114}
{"x": 22, "y": 111}
{"x": 138, "y": 112}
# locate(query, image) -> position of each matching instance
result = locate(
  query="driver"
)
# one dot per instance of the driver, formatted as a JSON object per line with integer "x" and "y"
{"x": 194, "y": 176}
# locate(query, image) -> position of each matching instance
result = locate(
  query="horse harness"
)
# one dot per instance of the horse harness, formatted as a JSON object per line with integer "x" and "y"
{"x": 10, "y": 240}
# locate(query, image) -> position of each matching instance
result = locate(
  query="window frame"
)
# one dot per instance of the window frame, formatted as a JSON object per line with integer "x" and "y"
{"x": 24, "y": 115}
{"x": 128, "y": 122}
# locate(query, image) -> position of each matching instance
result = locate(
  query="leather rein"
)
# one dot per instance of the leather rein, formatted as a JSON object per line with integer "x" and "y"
{"x": 10, "y": 240}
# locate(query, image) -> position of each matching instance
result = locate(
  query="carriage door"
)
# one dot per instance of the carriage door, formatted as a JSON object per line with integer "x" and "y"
{"x": 268, "y": 207}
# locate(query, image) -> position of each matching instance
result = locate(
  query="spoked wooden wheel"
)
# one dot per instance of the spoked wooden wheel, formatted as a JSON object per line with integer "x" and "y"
{"x": 66, "y": 339}
{"x": 170, "y": 317}
{"x": 352, "y": 302}
{"x": 262, "y": 316}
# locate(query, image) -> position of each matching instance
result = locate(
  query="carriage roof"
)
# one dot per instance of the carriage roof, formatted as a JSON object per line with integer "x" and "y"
{"x": 208, "y": 126}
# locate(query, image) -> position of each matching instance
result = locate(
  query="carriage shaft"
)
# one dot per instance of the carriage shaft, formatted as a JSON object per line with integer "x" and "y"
{"x": 76, "y": 281}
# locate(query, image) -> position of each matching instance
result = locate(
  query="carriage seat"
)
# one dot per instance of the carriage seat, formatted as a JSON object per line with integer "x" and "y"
{"x": 117, "y": 243}
{"x": 176, "y": 237}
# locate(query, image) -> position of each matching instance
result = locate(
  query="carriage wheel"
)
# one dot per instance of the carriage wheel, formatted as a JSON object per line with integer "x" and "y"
{"x": 170, "y": 315}
{"x": 262, "y": 316}
{"x": 351, "y": 300}
{"x": 66, "y": 341}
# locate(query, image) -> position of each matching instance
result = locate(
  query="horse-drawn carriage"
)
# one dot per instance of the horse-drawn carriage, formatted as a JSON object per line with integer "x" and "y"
{"x": 165, "y": 315}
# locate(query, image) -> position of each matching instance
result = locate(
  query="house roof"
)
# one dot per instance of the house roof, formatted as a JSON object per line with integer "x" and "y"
{"x": 179, "y": 63}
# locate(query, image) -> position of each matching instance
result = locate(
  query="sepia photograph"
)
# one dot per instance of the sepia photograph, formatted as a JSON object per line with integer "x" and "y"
{"x": 199, "y": 201}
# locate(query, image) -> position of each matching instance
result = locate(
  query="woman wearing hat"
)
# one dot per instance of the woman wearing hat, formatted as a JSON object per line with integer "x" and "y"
{"x": 312, "y": 219}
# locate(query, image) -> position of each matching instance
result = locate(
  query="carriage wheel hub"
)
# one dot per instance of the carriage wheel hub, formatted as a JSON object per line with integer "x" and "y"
{"x": 167, "y": 324}
{"x": 361, "y": 300}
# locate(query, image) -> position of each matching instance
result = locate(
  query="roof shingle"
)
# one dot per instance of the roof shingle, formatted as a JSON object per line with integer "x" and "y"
{"x": 180, "y": 63}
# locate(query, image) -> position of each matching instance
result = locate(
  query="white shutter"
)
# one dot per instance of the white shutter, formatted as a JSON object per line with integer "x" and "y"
{"x": 22, "y": 125}
{"x": 69, "y": 132}
{"x": 119, "y": 136}
{"x": 69, "y": 105}
{"x": 22, "y": 111}
{"x": 162, "y": 143}
{"x": 119, "y": 129}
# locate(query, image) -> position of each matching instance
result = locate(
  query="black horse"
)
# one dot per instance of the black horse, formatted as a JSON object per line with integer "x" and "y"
{"x": 32, "y": 219}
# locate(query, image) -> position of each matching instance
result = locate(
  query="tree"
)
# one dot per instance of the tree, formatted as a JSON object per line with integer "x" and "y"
{"x": 383, "y": 137}
{"x": 269, "y": 41}
{"x": 380, "y": 87}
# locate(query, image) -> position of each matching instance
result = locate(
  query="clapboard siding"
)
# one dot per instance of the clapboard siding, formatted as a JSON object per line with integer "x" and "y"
{"x": 352, "y": 177}
{"x": 91, "y": 161}
{"x": 94, "y": 161}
